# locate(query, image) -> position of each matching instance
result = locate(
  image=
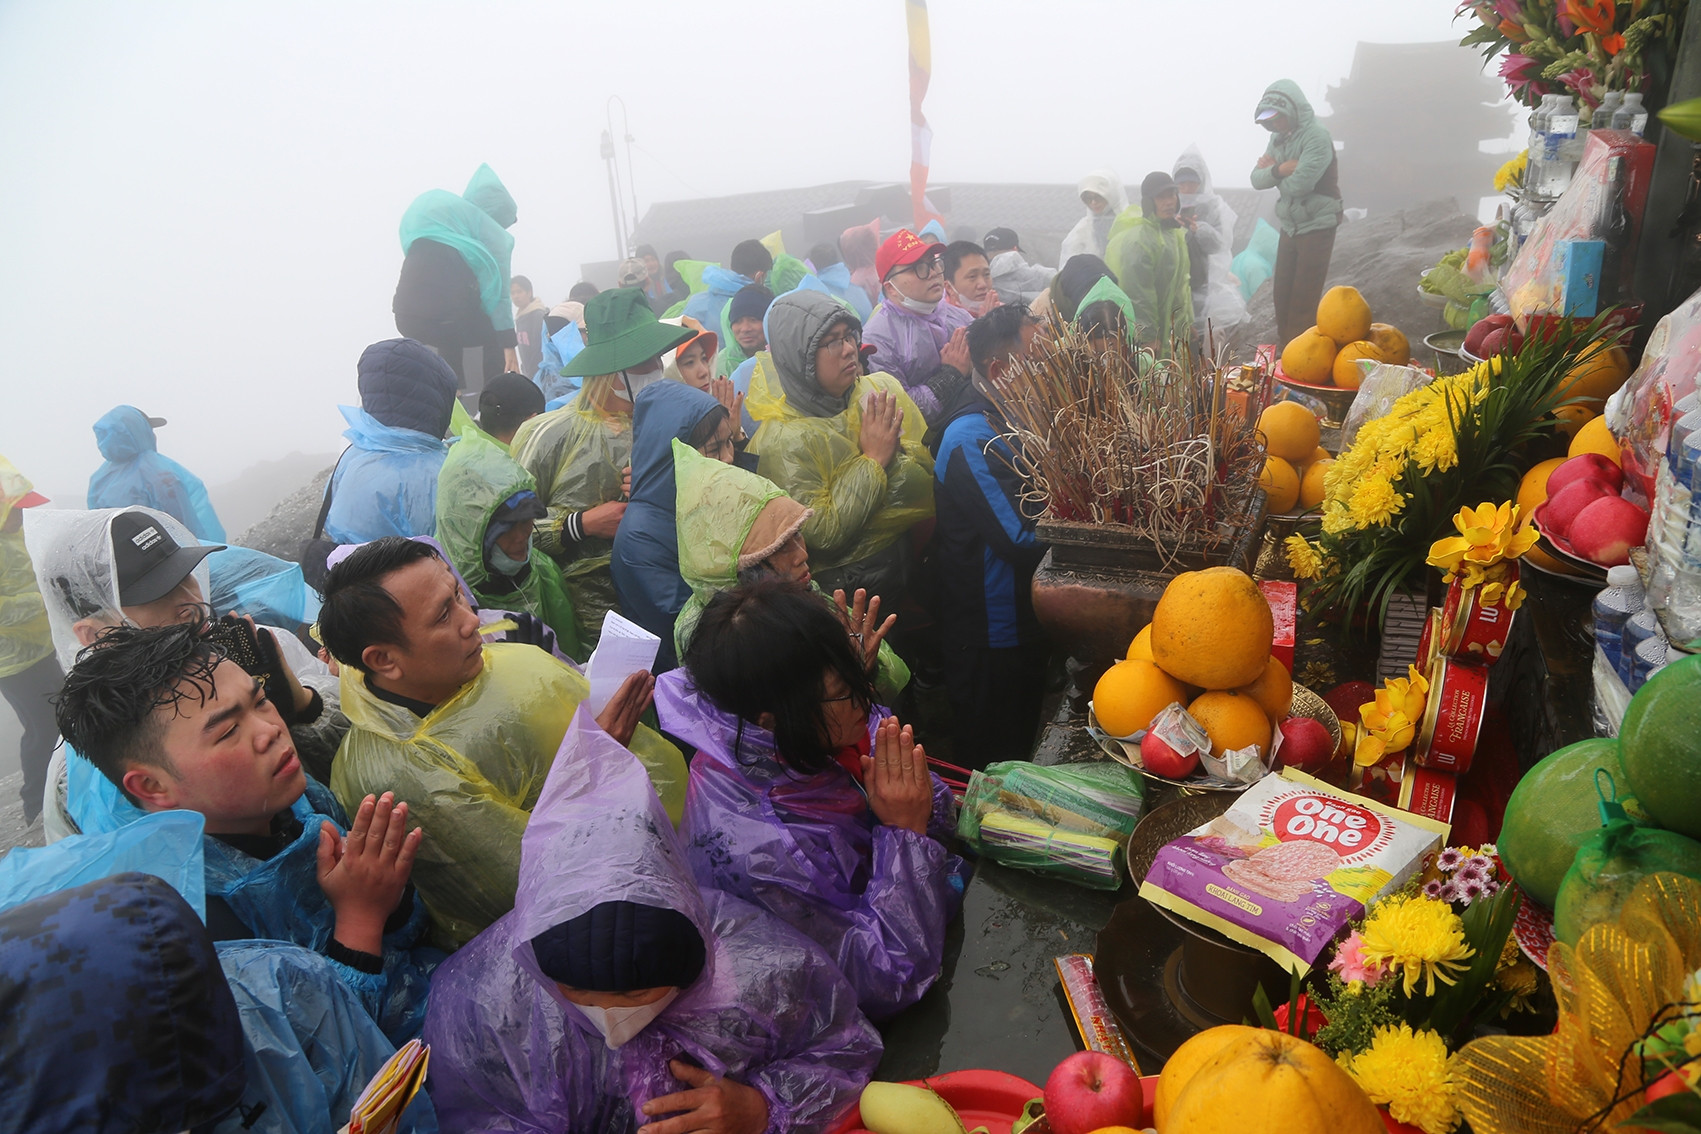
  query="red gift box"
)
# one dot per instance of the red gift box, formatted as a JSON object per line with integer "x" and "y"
{"x": 1284, "y": 608}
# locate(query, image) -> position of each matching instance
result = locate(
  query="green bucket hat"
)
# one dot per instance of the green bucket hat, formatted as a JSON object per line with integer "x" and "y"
{"x": 620, "y": 332}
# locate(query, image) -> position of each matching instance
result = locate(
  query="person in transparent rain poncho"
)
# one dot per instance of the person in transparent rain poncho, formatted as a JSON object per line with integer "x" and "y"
{"x": 1211, "y": 223}
{"x": 140, "y": 567}
{"x": 618, "y": 995}
{"x": 1101, "y": 191}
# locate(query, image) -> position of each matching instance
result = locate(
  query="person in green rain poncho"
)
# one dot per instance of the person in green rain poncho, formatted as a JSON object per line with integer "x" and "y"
{"x": 486, "y": 508}
{"x": 1106, "y": 314}
{"x": 581, "y": 454}
{"x": 453, "y": 294}
{"x": 29, "y": 673}
{"x": 736, "y": 527}
{"x": 1149, "y": 256}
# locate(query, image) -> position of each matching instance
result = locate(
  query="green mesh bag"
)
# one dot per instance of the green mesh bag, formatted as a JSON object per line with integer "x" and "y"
{"x": 1610, "y": 864}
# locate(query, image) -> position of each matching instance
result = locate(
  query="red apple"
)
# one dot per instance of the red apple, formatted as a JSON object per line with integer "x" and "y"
{"x": 1501, "y": 340}
{"x": 1475, "y": 336}
{"x": 1606, "y": 530}
{"x": 1671, "y": 1083}
{"x": 1564, "y": 506}
{"x": 1091, "y": 1090}
{"x": 1586, "y": 466}
{"x": 1346, "y": 697}
{"x": 1162, "y": 760}
{"x": 1306, "y": 744}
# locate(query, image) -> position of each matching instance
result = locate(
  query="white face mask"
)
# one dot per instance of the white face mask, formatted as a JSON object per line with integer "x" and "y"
{"x": 503, "y": 563}
{"x": 919, "y": 306}
{"x": 618, "y": 1025}
{"x": 633, "y": 383}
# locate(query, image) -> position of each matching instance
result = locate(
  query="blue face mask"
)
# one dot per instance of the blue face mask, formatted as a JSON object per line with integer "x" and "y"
{"x": 504, "y": 564}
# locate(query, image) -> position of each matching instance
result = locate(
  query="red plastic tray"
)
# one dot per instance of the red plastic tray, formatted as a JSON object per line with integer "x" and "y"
{"x": 992, "y": 1099}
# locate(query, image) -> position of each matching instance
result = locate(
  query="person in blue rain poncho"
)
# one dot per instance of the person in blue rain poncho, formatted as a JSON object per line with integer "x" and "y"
{"x": 176, "y": 724}
{"x": 135, "y": 473}
{"x": 807, "y": 798}
{"x": 835, "y": 276}
{"x": 454, "y": 290}
{"x": 646, "y": 548}
{"x": 164, "y": 1031}
{"x": 617, "y": 993}
{"x": 386, "y": 481}
{"x": 749, "y": 263}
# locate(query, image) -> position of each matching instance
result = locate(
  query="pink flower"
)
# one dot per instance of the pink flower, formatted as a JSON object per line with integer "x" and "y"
{"x": 1349, "y": 963}
{"x": 1514, "y": 67}
{"x": 1509, "y": 9}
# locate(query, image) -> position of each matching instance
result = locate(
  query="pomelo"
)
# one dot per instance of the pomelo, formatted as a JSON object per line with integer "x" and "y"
{"x": 1551, "y": 812}
{"x": 1660, "y": 746}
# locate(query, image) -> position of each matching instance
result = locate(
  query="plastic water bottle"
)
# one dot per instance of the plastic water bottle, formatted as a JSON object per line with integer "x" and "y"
{"x": 1639, "y": 629}
{"x": 1614, "y": 607}
{"x": 1610, "y": 102}
{"x": 1556, "y": 152}
{"x": 1631, "y": 115}
{"x": 1535, "y": 173}
{"x": 1650, "y": 655}
{"x": 1674, "y": 529}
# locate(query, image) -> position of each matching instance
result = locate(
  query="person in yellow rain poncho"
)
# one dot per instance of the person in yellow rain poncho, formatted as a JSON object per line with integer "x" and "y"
{"x": 846, "y": 445}
{"x": 29, "y": 673}
{"x": 464, "y": 733}
{"x": 581, "y": 454}
{"x": 487, "y": 506}
{"x": 736, "y": 527}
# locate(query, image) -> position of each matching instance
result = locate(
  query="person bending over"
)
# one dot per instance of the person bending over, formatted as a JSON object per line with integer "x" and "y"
{"x": 809, "y": 800}
{"x": 463, "y": 732}
{"x": 618, "y": 996}
{"x": 178, "y": 726}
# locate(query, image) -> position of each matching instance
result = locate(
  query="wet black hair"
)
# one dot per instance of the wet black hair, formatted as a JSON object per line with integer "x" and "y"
{"x": 1102, "y": 318}
{"x": 506, "y": 401}
{"x": 825, "y": 255}
{"x": 644, "y": 250}
{"x": 1075, "y": 279}
{"x": 749, "y": 257}
{"x": 767, "y": 648}
{"x": 358, "y": 612}
{"x": 997, "y": 334}
{"x": 583, "y": 292}
{"x": 956, "y": 252}
{"x": 106, "y": 710}
{"x": 523, "y": 282}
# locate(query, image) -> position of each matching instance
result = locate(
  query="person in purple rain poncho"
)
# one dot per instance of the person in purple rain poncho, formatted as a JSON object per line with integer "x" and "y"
{"x": 809, "y": 799}
{"x": 618, "y": 996}
{"x": 918, "y": 338}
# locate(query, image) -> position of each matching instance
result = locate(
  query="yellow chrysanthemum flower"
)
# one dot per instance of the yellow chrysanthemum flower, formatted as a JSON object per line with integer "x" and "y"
{"x": 1420, "y": 938}
{"x": 1303, "y": 558}
{"x": 1336, "y": 519}
{"x": 1375, "y": 501}
{"x": 1407, "y": 1072}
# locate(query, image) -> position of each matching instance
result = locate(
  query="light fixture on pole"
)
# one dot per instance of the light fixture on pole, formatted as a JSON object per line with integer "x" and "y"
{"x": 614, "y": 195}
{"x": 631, "y": 174}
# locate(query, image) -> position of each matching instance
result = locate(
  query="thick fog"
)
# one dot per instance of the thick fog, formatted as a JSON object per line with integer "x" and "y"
{"x": 201, "y": 199}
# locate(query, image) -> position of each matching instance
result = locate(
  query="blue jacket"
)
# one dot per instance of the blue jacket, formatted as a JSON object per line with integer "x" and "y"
{"x": 136, "y": 474}
{"x": 646, "y": 546}
{"x": 986, "y": 548}
{"x": 719, "y": 286}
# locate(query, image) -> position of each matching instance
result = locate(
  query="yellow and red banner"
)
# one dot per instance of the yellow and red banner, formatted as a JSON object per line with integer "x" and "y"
{"x": 921, "y": 136}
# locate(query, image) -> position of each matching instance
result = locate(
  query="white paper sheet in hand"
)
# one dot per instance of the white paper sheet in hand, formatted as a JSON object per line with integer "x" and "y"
{"x": 624, "y": 648}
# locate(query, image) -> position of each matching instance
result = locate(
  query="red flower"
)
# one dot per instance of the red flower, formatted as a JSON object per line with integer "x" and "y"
{"x": 1313, "y": 1016}
{"x": 1513, "y": 30}
{"x": 1612, "y": 44}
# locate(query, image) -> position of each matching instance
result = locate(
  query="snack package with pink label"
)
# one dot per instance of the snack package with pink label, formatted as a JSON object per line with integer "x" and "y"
{"x": 1290, "y": 864}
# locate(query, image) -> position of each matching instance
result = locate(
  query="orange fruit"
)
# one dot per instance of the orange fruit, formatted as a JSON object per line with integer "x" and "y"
{"x": 1281, "y": 485}
{"x": 1595, "y": 437}
{"x": 1213, "y": 629}
{"x": 1273, "y": 690}
{"x": 1140, "y": 649}
{"x": 1396, "y": 349}
{"x": 1188, "y": 1060}
{"x": 1346, "y": 372}
{"x": 1309, "y": 358}
{"x": 1319, "y": 454}
{"x": 1131, "y": 693}
{"x": 1233, "y": 720}
{"x": 1311, "y": 483}
{"x": 1290, "y": 431}
{"x": 1532, "y": 489}
{"x": 1599, "y": 374}
{"x": 1573, "y": 418}
{"x": 1344, "y": 316}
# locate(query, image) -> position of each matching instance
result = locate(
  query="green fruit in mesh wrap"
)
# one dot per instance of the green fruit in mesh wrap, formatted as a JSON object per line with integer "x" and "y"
{"x": 1660, "y": 746}
{"x": 1609, "y": 865}
{"x": 1553, "y": 811}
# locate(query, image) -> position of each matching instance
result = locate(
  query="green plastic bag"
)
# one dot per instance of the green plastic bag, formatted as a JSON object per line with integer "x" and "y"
{"x": 1070, "y": 820}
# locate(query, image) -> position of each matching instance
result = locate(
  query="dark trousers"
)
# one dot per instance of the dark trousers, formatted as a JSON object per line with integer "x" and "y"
{"x": 28, "y": 692}
{"x": 995, "y": 702}
{"x": 1302, "y": 265}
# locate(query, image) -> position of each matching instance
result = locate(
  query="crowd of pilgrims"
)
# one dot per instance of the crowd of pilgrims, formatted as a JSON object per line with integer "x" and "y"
{"x": 304, "y": 813}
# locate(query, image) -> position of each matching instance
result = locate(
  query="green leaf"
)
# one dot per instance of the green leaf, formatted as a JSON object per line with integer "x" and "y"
{"x": 1674, "y": 1114}
{"x": 1487, "y": 925}
{"x": 1266, "y": 1015}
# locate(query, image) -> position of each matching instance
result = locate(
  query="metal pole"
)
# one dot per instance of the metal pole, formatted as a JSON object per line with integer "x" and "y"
{"x": 614, "y": 196}
{"x": 631, "y": 171}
